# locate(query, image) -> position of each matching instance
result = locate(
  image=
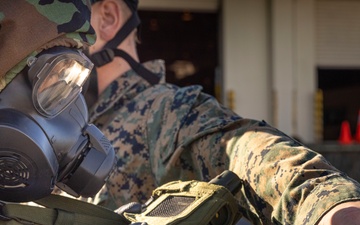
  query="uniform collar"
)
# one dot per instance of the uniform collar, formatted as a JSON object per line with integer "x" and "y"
{"x": 127, "y": 85}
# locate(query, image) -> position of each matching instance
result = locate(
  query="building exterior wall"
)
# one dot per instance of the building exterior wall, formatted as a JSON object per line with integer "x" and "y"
{"x": 245, "y": 61}
{"x": 268, "y": 60}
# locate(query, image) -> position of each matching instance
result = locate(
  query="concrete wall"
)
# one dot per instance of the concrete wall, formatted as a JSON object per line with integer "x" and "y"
{"x": 268, "y": 62}
{"x": 245, "y": 61}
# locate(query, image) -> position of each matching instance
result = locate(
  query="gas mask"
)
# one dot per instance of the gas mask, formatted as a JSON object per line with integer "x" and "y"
{"x": 45, "y": 139}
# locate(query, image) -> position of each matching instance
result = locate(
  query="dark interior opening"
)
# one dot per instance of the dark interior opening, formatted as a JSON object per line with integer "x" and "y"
{"x": 341, "y": 93}
{"x": 187, "y": 41}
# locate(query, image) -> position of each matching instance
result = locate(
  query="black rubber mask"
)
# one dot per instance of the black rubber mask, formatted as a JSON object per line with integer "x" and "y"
{"x": 45, "y": 139}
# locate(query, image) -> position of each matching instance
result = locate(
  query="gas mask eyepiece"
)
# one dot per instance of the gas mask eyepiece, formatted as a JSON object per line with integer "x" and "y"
{"x": 45, "y": 138}
{"x": 57, "y": 79}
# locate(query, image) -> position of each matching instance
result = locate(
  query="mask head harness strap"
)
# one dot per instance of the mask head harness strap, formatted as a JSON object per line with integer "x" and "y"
{"x": 110, "y": 49}
{"x": 130, "y": 25}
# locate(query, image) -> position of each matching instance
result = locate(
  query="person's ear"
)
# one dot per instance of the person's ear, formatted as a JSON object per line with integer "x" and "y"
{"x": 111, "y": 19}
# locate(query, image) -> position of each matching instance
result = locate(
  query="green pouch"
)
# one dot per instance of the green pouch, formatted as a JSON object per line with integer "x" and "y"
{"x": 189, "y": 203}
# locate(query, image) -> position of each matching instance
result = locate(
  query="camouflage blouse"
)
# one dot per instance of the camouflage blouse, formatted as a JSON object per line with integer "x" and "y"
{"x": 162, "y": 133}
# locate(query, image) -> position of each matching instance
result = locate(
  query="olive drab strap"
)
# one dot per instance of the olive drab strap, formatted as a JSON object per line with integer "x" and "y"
{"x": 174, "y": 203}
{"x": 59, "y": 210}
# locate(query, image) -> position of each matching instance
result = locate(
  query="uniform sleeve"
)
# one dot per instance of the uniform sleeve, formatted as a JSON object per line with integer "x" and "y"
{"x": 284, "y": 182}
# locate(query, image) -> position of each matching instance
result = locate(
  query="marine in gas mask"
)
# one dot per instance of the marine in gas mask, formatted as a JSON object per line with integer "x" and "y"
{"x": 45, "y": 138}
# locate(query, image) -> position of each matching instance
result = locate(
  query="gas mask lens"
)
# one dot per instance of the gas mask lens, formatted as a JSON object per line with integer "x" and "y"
{"x": 57, "y": 80}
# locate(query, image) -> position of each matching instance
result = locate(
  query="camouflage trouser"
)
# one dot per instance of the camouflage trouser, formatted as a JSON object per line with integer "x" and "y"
{"x": 284, "y": 182}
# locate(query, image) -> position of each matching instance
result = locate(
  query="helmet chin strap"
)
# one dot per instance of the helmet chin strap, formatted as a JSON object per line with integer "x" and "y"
{"x": 107, "y": 54}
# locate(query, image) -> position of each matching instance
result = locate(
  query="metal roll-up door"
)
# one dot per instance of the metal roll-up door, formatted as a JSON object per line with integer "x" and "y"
{"x": 337, "y": 33}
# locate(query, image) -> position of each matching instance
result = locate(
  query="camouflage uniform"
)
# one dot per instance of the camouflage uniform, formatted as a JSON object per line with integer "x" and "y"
{"x": 28, "y": 27}
{"x": 163, "y": 133}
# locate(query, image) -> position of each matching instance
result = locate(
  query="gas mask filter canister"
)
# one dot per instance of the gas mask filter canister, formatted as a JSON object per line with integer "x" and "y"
{"x": 45, "y": 139}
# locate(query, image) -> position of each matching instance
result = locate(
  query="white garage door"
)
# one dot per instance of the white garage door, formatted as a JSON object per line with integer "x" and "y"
{"x": 338, "y": 33}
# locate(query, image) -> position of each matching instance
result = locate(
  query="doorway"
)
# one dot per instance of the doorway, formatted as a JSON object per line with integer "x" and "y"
{"x": 341, "y": 94}
{"x": 187, "y": 41}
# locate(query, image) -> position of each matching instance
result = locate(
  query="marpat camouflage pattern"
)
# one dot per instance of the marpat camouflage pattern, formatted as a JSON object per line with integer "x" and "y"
{"x": 163, "y": 133}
